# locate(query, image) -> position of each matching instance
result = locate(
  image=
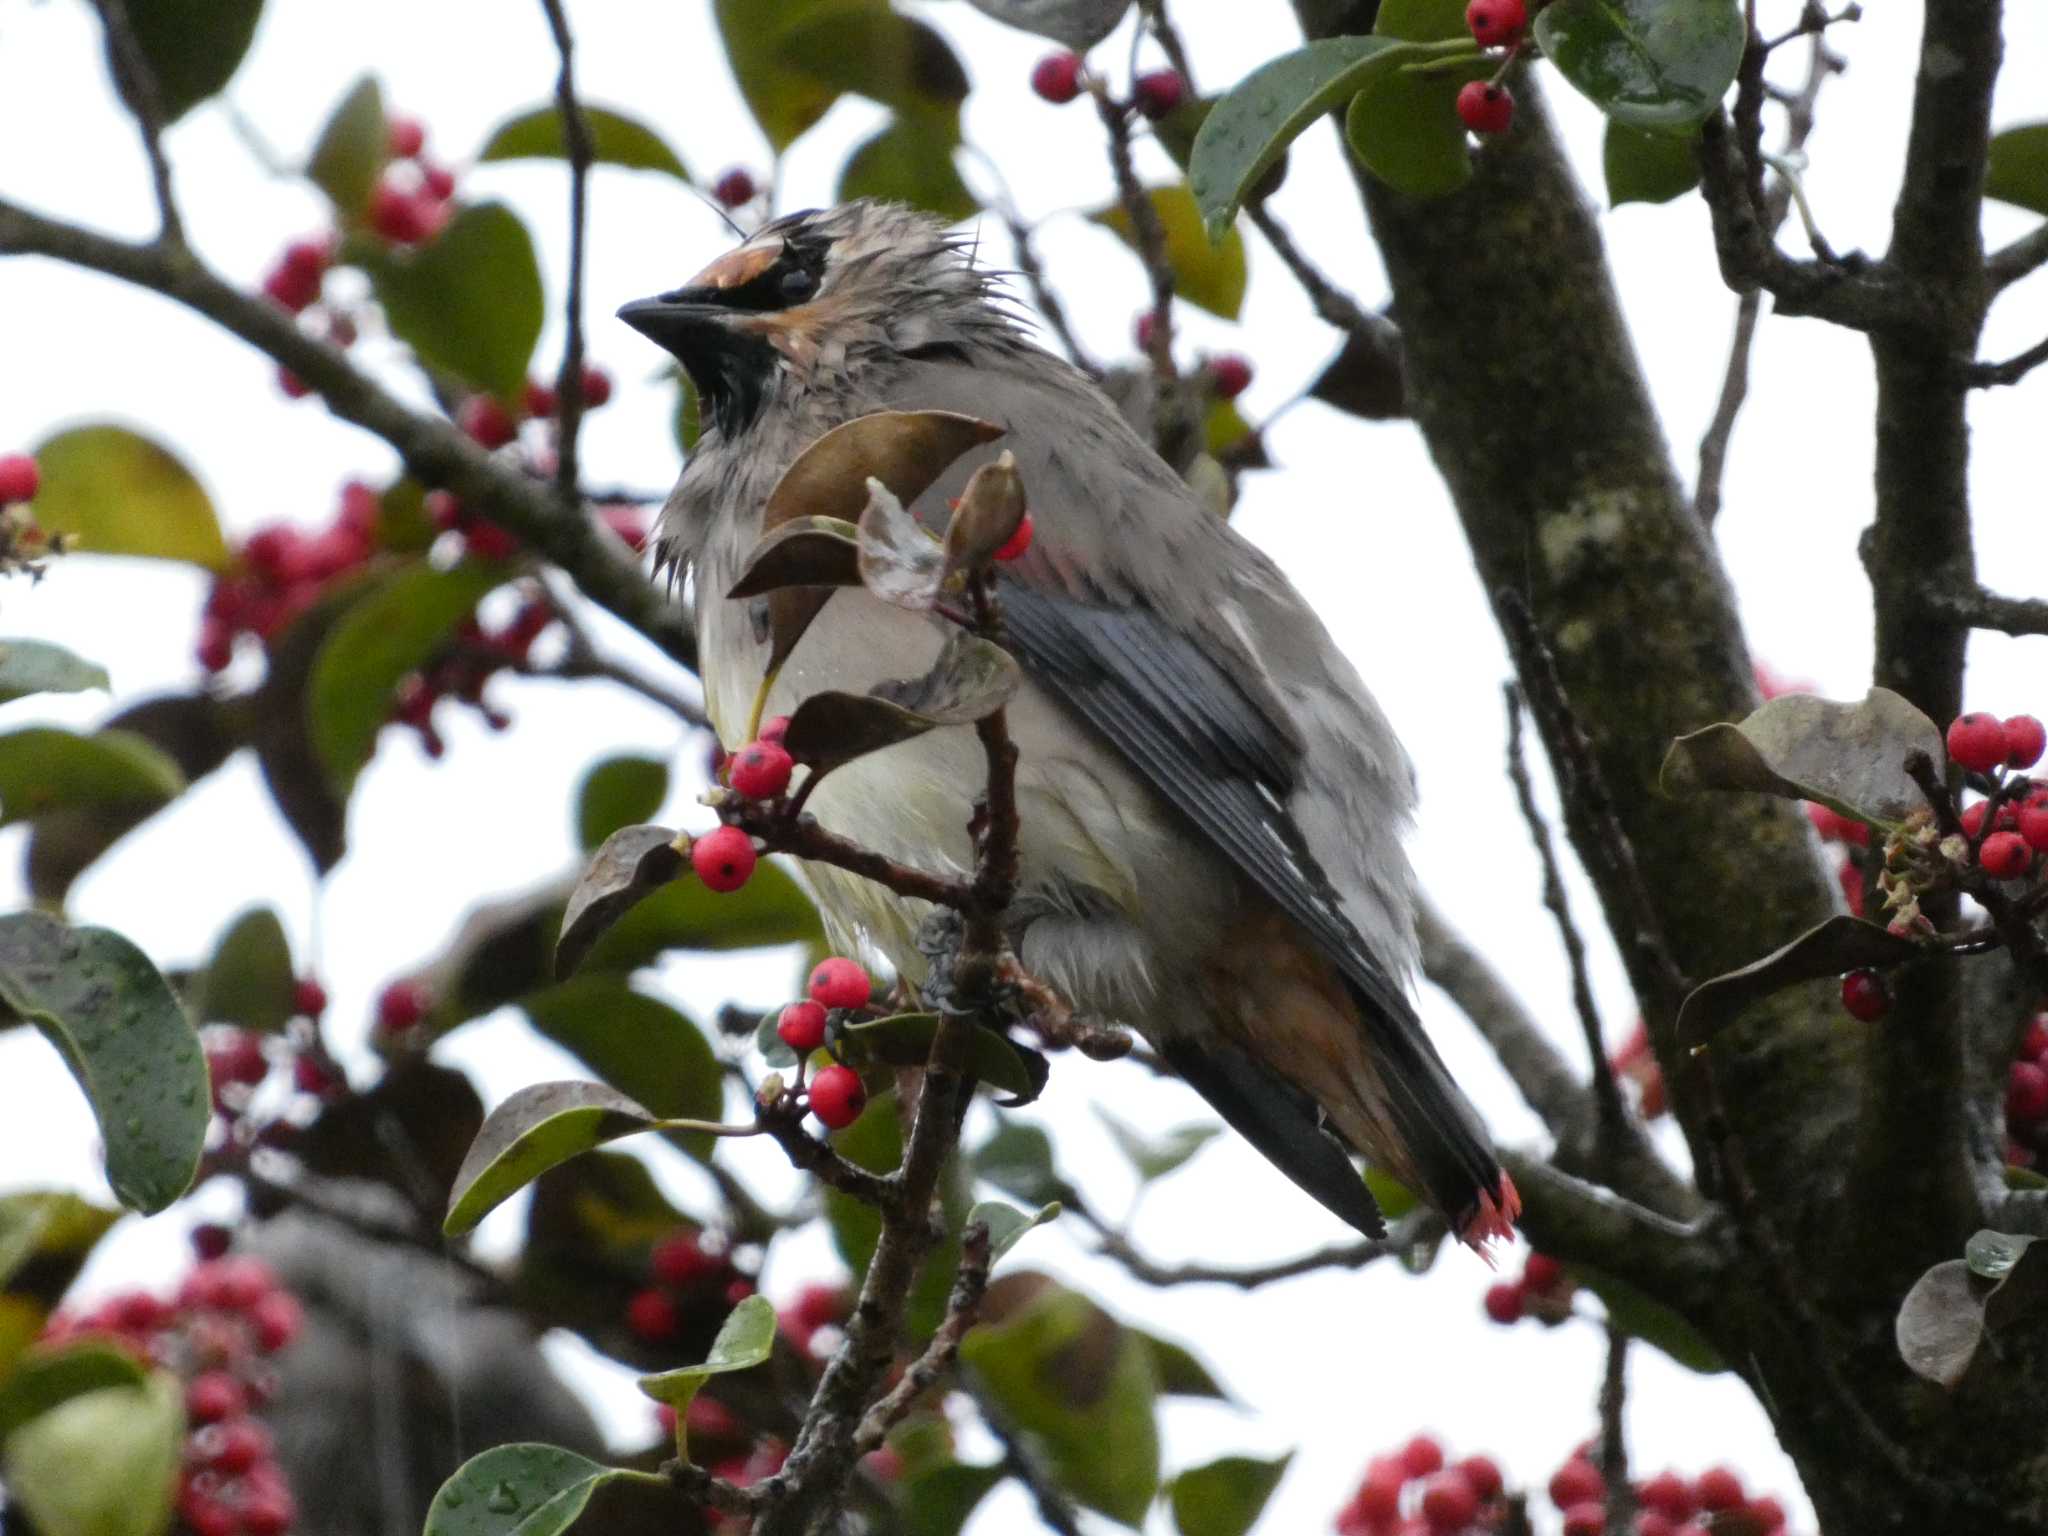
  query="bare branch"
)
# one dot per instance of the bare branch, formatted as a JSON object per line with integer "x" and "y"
{"x": 434, "y": 451}
{"x": 2011, "y": 371}
{"x": 576, "y": 135}
{"x": 1979, "y": 608}
{"x": 2009, "y": 263}
{"x": 1621, "y": 1501}
{"x": 1417, "y": 1227}
{"x": 136, "y": 82}
{"x": 970, "y": 1282}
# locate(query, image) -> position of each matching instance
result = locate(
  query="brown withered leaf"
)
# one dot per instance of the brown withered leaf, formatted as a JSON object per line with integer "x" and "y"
{"x": 971, "y": 678}
{"x": 990, "y": 509}
{"x": 804, "y": 552}
{"x": 632, "y": 863}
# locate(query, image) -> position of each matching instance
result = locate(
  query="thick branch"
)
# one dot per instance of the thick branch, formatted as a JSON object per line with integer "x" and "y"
{"x": 433, "y": 449}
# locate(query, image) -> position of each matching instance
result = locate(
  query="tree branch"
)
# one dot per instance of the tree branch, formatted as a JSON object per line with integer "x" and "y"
{"x": 434, "y": 451}
{"x": 2011, "y": 371}
{"x": 2009, "y": 263}
{"x": 970, "y": 1283}
{"x": 576, "y": 135}
{"x": 137, "y": 85}
{"x": 1417, "y": 1227}
{"x": 1968, "y": 605}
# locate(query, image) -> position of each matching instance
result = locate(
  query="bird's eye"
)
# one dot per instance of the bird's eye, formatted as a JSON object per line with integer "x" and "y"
{"x": 798, "y": 284}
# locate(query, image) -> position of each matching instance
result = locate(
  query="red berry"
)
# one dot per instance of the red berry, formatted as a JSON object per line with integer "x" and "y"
{"x": 708, "y": 1417}
{"x": 738, "y": 1291}
{"x": 1482, "y": 1473}
{"x": 1448, "y": 1502}
{"x": 312, "y": 1075}
{"x": 2025, "y": 739}
{"x": 1976, "y": 742}
{"x": 680, "y": 1260}
{"x": 1542, "y": 1272}
{"x": 267, "y": 1508}
{"x": 238, "y": 1445}
{"x": 1650, "y": 1523}
{"x": 1379, "y": 1497}
{"x": 1504, "y": 1302}
{"x": 1014, "y": 546}
{"x": 1719, "y": 1489}
{"x": 653, "y": 1316}
{"x": 1057, "y": 77}
{"x": 817, "y": 1306}
{"x": 400, "y": 1006}
{"x": 1865, "y": 996}
{"x": 210, "y": 1240}
{"x": 206, "y": 1515}
{"x": 309, "y": 998}
{"x": 1971, "y": 817}
{"x": 444, "y": 510}
{"x": 541, "y": 400}
{"x": 724, "y": 858}
{"x": 1767, "y": 1514}
{"x": 439, "y": 182}
{"x": 400, "y": 216}
{"x": 214, "y": 1395}
{"x": 1484, "y": 107}
{"x": 1229, "y": 375}
{"x": 239, "y": 1058}
{"x": 1577, "y": 1482}
{"x": 1585, "y": 1520}
{"x": 1159, "y": 92}
{"x": 1496, "y": 23}
{"x": 760, "y": 770}
{"x": 802, "y": 1026}
{"x": 1422, "y": 1456}
{"x": 1669, "y": 1495}
{"x": 2034, "y": 1043}
{"x": 838, "y": 1096}
{"x": 774, "y": 728}
{"x": 486, "y": 421}
{"x": 2033, "y": 824}
{"x": 2005, "y": 855}
{"x": 597, "y": 386}
{"x": 408, "y": 137}
{"x": 735, "y": 189}
{"x": 241, "y": 1281}
{"x": 291, "y": 289}
{"x": 279, "y": 1320}
{"x": 839, "y": 983}
{"x": 19, "y": 478}
{"x": 487, "y": 541}
{"x": 2026, "y": 1093}
{"x": 1147, "y": 327}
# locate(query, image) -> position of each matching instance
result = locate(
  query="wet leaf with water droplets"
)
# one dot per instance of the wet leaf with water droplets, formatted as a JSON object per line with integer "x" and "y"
{"x": 517, "y": 1490}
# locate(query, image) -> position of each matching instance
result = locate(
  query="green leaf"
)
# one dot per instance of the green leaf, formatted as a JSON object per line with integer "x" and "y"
{"x": 1083, "y": 1386}
{"x": 905, "y": 1040}
{"x": 590, "y": 1228}
{"x": 352, "y": 150}
{"x": 1006, "y": 1224}
{"x": 103, "y": 1463}
{"x": 57, "y": 1230}
{"x": 632, "y": 864}
{"x": 1018, "y": 1160}
{"x": 536, "y": 1128}
{"x": 768, "y": 1041}
{"x": 1849, "y": 757}
{"x": 275, "y": 722}
{"x": 1646, "y": 167}
{"x": 389, "y": 631}
{"x": 615, "y": 138}
{"x": 127, "y": 1041}
{"x": 470, "y": 302}
{"x": 1077, "y": 24}
{"x": 1155, "y": 1157}
{"x": 937, "y": 1502}
{"x": 770, "y": 909}
{"x": 193, "y": 47}
{"x": 617, "y": 793}
{"x": 45, "y": 769}
{"x": 45, "y": 1378}
{"x": 1839, "y": 944}
{"x": 1208, "y": 268}
{"x": 2017, "y": 169}
{"x": 910, "y": 161}
{"x": 1251, "y": 127}
{"x": 36, "y": 666}
{"x": 1651, "y": 1321}
{"x": 120, "y": 493}
{"x": 1405, "y": 129}
{"x": 1658, "y": 64}
{"x": 646, "y": 1049}
{"x": 517, "y": 1490}
{"x": 1227, "y": 1496}
{"x": 250, "y": 980}
{"x": 1180, "y": 1372}
{"x": 195, "y": 730}
{"x": 1421, "y": 21}
{"x": 746, "y": 1339}
{"x": 785, "y": 97}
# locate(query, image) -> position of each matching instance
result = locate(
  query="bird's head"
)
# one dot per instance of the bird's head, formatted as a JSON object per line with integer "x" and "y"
{"x": 817, "y": 290}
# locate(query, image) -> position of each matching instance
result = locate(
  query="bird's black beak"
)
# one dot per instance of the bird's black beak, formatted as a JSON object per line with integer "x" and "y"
{"x": 685, "y": 322}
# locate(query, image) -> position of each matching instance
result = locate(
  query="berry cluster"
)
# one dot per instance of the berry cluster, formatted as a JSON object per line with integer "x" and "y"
{"x": 473, "y": 657}
{"x": 412, "y": 200}
{"x": 1544, "y": 1291}
{"x": 1487, "y": 106}
{"x": 691, "y": 1276}
{"x": 227, "y": 1318}
{"x": 837, "y": 1094}
{"x": 2010, "y": 830}
{"x": 2026, "y": 1097}
{"x": 23, "y": 542}
{"x": 239, "y": 1063}
{"x": 281, "y": 570}
{"x": 1413, "y": 1493}
{"x": 1060, "y": 77}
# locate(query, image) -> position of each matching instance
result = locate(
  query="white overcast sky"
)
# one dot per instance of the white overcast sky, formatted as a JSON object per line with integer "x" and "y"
{"x": 1339, "y": 1366}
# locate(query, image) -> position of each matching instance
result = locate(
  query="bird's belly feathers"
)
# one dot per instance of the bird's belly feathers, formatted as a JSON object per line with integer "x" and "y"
{"x": 1120, "y": 887}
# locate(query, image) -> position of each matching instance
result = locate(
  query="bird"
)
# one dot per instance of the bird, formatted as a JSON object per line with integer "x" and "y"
{"x": 1211, "y": 804}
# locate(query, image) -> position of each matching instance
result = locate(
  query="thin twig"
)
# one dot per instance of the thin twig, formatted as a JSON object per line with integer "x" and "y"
{"x": 1621, "y": 1502}
{"x": 1613, "y": 1111}
{"x": 138, "y": 87}
{"x": 2011, "y": 371}
{"x": 2009, "y": 263}
{"x": 1021, "y": 1461}
{"x": 576, "y": 136}
{"x": 970, "y": 1283}
{"x": 1979, "y": 608}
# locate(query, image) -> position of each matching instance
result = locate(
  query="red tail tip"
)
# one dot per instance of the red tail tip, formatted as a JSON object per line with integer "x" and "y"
{"x": 1493, "y": 1218}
